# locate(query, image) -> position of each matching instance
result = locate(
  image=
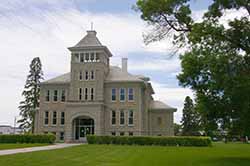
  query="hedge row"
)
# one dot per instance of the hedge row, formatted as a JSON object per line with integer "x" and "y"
{"x": 28, "y": 138}
{"x": 141, "y": 140}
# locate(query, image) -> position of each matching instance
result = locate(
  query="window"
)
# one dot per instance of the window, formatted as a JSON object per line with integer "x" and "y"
{"x": 113, "y": 133}
{"x": 61, "y": 136}
{"x": 77, "y": 58}
{"x": 46, "y": 117}
{"x": 80, "y": 75}
{"x": 130, "y": 117}
{"x": 86, "y": 75}
{"x": 54, "y": 118}
{"x": 121, "y": 133}
{"x": 97, "y": 57}
{"x": 81, "y": 57}
{"x": 47, "y": 95}
{"x": 130, "y": 133}
{"x": 122, "y": 117}
{"x": 122, "y": 94}
{"x": 92, "y": 75}
{"x": 130, "y": 94}
{"x": 92, "y": 94}
{"x": 113, "y": 94}
{"x": 63, "y": 97}
{"x": 92, "y": 57}
{"x": 80, "y": 93}
{"x": 113, "y": 117}
{"x": 86, "y": 57}
{"x": 55, "y": 95}
{"x": 62, "y": 118}
{"x": 86, "y": 93}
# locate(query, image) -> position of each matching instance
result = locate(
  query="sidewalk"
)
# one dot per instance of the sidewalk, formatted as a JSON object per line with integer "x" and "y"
{"x": 33, "y": 149}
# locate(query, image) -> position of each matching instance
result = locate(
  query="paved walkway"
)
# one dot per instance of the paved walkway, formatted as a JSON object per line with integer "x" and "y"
{"x": 33, "y": 149}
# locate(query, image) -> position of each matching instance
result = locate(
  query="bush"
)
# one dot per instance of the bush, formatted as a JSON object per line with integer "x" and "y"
{"x": 147, "y": 140}
{"x": 28, "y": 138}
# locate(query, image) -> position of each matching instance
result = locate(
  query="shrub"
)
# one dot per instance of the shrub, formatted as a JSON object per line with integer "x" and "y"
{"x": 28, "y": 138}
{"x": 147, "y": 140}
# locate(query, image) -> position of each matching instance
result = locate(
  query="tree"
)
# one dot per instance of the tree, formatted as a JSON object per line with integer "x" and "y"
{"x": 177, "y": 129}
{"x": 31, "y": 95}
{"x": 216, "y": 64}
{"x": 190, "y": 119}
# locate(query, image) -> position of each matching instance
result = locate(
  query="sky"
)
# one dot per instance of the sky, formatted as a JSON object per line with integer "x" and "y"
{"x": 46, "y": 28}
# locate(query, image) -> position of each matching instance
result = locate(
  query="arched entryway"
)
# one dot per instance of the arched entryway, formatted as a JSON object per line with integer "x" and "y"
{"x": 83, "y": 126}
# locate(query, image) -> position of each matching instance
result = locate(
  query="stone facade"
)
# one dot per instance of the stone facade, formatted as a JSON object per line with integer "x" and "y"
{"x": 96, "y": 98}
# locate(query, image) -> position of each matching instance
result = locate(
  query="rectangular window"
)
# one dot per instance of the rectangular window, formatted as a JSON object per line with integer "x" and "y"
{"x": 81, "y": 57}
{"x": 130, "y": 94}
{"x": 92, "y": 94}
{"x": 86, "y": 75}
{"x": 54, "y": 120}
{"x": 77, "y": 58}
{"x": 130, "y": 134}
{"x": 63, "y": 96}
{"x": 86, "y": 93}
{"x": 80, "y": 93}
{"x": 80, "y": 75}
{"x": 46, "y": 117}
{"x": 113, "y": 94}
{"x": 61, "y": 136}
{"x": 113, "y": 133}
{"x": 130, "y": 117}
{"x": 113, "y": 117}
{"x": 47, "y": 95}
{"x": 86, "y": 57}
{"x": 55, "y": 95}
{"x": 92, "y": 57}
{"x": 159, "y": 121}
{"x": 122, "y": 94}
{"x": 62, "y": 118}
{"x": 122, "y": 117}
{"x": 121, "y": 133}
{"x": 92, "y": 75}
{"x": 97, "y": 57}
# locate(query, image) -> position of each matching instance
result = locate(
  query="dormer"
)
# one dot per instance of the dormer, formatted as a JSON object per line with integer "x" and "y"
{"x": 90, "y": 50}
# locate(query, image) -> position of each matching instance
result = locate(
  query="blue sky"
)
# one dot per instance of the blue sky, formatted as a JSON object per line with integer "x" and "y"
{"x": 45, "y": 28}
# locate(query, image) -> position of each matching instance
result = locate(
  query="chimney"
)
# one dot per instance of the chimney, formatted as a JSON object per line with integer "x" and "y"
{"x": 124, "y": 64}
{"x": 92, "y": 32}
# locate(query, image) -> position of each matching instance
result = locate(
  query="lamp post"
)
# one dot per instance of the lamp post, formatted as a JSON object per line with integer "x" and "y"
{"x": 15, "y": 117}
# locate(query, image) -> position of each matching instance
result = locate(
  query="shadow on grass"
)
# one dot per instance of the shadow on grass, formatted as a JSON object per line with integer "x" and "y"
{"x": 231, "y": 161}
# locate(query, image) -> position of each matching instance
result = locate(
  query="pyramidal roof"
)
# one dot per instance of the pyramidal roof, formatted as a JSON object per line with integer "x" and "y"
{"x": 89, "y": 40}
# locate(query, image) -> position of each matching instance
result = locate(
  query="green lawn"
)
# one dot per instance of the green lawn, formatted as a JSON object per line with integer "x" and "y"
{"x": 15, "y": 146}
{"x": 218, "y": 155}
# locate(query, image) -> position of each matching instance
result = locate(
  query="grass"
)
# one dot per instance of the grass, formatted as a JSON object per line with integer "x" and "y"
{"x": 16, "y": 146}
{"x": 112, "y": 155}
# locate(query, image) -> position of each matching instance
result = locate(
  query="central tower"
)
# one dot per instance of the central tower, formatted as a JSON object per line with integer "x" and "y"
{"x": 89, "y": 68}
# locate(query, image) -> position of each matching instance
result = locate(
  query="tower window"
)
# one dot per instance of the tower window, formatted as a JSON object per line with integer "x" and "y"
{"x": 63, "y": 96}
{"x": 80, "y": 75}
{"x": 55, "y": 95}
{"x": 92, "y": 94}
{"x": 81, "y": 57}
{"x": 80, "y": 93}
{"x": 113, "y": 117}
{"x": 54, "y": 120}
{"x": 86, "y": 93}
{"x": 92, "y": 75}
{"x": 122, "y": 94}
{"x": 92, "y": 57}
{"x": 97, "y": 57}
{"x": 77, "y": 58}
{"x": 47, "y": 95}
{"x": 122, "y": 117}
{"x": 86, "y": 57}
{"x": 46, "y": 117}
{"x": 86, "y": 75}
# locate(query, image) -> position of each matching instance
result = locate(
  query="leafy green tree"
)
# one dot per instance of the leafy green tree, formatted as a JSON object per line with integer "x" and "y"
{"x": 216, "y": 64}
{"x": 190, "y": 119}
{"x": 31, "y": 95}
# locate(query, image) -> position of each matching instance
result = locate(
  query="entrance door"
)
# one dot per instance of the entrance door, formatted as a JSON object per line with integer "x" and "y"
{"x": 82, "y": 133}
{"x": 83, "y": 127}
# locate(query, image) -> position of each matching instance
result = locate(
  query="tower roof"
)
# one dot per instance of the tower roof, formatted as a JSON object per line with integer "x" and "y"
{"x": 89, "y": 40}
